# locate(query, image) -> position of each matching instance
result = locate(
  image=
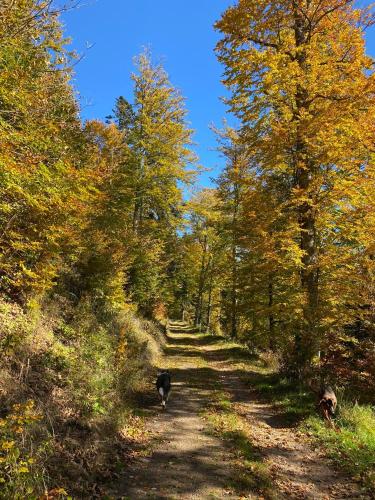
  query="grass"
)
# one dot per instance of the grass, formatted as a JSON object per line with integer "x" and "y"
{"x": 251, "y": 473}
{"x": 295, "y": 403}
{"x": 352, "y": 446}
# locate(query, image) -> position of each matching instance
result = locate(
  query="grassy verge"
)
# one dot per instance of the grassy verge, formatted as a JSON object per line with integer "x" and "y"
{"x": 250, "y": 472}
{"x": 295, "y": 403}
{"x": 351, "y": 446}
{"x": 72, "y": 376}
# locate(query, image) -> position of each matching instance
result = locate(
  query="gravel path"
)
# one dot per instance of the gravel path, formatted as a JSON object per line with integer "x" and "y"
{"x": 189, "y": 463}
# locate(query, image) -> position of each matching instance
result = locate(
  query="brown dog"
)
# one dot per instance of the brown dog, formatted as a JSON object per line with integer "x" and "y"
{"x": 328, "y": 404}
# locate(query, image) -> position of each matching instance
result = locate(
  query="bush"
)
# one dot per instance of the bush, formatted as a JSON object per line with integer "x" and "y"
{"x": 22, "y": 451}
{"x": 138, "y": 352}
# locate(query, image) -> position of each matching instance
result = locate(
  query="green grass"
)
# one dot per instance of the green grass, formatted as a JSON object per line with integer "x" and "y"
{"x": 251, "y": 473}
{"x": 352, "y": 445}
{"x": 296, "y": 403}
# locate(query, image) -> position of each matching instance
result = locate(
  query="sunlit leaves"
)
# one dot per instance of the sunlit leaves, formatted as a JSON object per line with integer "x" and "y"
{"x": 303, "y": 88}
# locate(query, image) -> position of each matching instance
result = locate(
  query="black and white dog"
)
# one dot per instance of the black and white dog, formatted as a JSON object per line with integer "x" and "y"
{"x": 163, "y": 386}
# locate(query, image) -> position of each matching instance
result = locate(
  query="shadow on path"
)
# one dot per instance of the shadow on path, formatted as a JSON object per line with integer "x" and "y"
{"x": 189, "y": 463}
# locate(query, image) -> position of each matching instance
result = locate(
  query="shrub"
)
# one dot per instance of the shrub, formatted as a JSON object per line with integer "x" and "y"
{"x": 22, "y": 451}
{"x": 82, "y": 364}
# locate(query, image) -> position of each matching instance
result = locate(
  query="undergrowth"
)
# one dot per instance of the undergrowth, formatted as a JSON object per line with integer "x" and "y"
{"x": 70, "y": 375}
{"x": 353, "y": 446}
{"x": 295, "y": 402}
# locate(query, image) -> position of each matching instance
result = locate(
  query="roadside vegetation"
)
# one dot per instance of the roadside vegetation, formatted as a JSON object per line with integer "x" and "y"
{"x": 351, "y": 443}
{"x": 68, "y": 396}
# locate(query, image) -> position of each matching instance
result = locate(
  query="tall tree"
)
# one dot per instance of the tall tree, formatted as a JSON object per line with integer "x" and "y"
{"x": 231, "y": 187}
{"x": 158, "y": 138}
{"x": 42, "y": 181}
{"x": 205, "y": 246}
{"x": 303, "y": 88}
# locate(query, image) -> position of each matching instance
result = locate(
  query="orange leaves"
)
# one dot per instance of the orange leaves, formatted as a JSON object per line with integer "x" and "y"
{"x": 302, "y": 87}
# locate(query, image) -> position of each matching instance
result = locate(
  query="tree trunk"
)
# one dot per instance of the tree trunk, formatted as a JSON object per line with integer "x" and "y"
{"x": 234, "y": 295}
{"x": 209, "y": 302}
{"x": 306, "y": 338}
{"x": 271, "y": 318}
{"x": 199, "y": 305}
{"x": 236, "y": 202}
{"x": 138, "y": 201}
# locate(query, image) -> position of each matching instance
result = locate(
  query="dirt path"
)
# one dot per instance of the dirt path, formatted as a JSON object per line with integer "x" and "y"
{"x": 191, "y": 463}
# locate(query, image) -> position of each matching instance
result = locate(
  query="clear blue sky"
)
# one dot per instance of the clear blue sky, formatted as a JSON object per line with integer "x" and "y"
{"x": 180, "y": 32}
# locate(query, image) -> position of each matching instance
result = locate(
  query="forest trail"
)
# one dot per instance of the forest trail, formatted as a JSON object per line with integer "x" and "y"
{"x": 189, "y": 461}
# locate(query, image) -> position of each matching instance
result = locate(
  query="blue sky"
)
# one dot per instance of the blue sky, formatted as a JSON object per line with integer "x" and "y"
{"x": 179, "y": 32}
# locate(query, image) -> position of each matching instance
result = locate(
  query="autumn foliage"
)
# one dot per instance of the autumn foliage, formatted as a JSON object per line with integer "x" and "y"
{"x": 95, "y": 231}
{"x": 285, "y": 251}
{"x": 303, "y": 88}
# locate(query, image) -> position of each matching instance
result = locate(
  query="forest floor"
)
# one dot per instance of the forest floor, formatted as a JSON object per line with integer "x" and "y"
{"x": 218, "y": 439}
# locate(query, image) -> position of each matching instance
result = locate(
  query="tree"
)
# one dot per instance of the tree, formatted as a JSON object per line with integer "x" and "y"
{"x": 203, "y": 256}
{"x": 231, "y": 187}
{"x": 303, "y": 89}
{"x": 158, "y": 138}
{"x": 41, "y": 175}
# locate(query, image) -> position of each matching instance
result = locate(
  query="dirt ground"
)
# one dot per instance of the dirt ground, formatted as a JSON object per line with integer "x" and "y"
{"x": 188, "y": 462}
